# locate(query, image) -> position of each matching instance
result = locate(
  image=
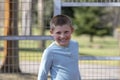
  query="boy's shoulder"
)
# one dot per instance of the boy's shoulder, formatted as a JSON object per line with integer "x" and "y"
{"x": 49, "y": 50}
{"x": 73, "y": 42}
{"x": 50, "y": 47}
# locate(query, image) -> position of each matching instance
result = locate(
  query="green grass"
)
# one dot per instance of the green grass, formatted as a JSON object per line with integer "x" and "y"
{"x": 106, "y": 46}
{"x": 30, "y": 56}
{"x": 99, "y": 52}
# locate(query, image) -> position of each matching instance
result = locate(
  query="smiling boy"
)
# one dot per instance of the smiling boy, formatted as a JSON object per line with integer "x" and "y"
{"x": 61, "y": 57}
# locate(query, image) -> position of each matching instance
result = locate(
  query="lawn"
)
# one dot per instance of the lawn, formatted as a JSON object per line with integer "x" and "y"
{"x": 105, "y": 46}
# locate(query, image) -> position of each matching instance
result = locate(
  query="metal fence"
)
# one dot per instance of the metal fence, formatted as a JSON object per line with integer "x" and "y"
{"x": 23, "y": 34}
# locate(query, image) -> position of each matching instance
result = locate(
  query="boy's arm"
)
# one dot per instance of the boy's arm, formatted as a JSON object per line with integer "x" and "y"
{"x": 45, "y": 65}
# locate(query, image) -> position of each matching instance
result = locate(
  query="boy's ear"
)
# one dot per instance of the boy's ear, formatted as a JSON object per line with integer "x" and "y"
{"x": 72, "y": 29}
{"x": 51, "y": 32}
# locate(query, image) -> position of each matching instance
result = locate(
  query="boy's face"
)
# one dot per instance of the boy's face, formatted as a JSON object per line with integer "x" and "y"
{"x": 62, "y": 34}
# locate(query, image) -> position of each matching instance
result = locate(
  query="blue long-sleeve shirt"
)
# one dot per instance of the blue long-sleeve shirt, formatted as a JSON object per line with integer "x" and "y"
{"x": 62, "y": 62}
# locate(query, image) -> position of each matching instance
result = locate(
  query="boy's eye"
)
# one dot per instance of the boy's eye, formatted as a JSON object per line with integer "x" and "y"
{"x": 66, "y": 31}
{"x": 58, "y": 32}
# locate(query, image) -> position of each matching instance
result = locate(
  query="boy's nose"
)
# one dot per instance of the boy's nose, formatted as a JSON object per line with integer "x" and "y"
{"x": 62, "y": 35}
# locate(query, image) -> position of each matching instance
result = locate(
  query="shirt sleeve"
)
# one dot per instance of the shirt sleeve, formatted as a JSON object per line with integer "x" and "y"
{"x": 45, "y": 65}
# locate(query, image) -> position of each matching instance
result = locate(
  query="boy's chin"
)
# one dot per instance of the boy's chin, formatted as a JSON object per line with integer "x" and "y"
{"x": 63, "y": 45}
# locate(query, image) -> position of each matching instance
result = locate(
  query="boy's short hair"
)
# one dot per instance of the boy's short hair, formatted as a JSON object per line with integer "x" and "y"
{"x": 60, "y": 20}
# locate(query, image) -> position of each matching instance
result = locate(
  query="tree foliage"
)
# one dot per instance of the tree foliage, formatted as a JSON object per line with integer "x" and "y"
{"x": 91, "y": 21}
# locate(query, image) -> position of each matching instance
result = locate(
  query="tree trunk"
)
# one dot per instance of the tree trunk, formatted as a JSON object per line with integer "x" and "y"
{"x": 1, "y": 14}
{"x": 27, "y": 17}
{"x": 10, "y": 63}
{"x": 91, "y": 38}
{"x": 41, "y": 22}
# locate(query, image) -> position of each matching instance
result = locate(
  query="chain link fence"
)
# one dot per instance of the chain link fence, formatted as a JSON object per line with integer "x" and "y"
{"x": 24, "y": 26}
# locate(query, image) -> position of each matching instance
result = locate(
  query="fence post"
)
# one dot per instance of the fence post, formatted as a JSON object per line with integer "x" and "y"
{"x": 57, "y": 7}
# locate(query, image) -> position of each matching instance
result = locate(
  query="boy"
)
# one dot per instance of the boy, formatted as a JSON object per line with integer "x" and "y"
{"x": 61, "y": 57}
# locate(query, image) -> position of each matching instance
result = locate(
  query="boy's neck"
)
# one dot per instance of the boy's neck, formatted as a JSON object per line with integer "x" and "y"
{"x": 60, "y": 45}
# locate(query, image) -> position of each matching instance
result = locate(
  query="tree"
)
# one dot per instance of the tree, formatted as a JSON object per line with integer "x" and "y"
{"x": 44, "y": 16}
{"x": 40, "y": 21}
{"x": 1, "y": 13}
{"x": 10, "y": 62}
{"x": 27, "y": 17}
{"x": 91, "y": 21}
